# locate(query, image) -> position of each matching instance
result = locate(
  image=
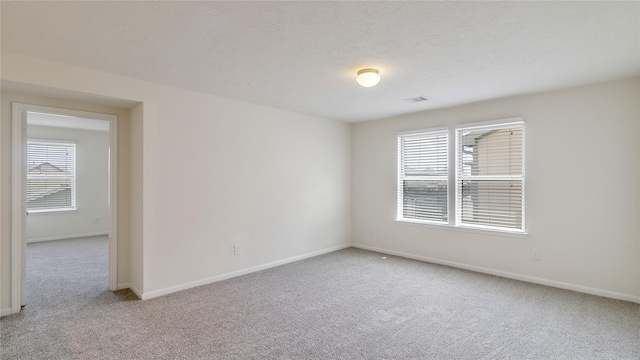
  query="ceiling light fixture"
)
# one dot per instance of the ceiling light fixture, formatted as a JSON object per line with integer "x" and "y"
{"x": 368, "y": 77}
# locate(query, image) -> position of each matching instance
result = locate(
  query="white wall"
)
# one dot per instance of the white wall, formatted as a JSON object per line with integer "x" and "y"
{"x": 582, "y": 195}
{"x": 211, "y": 172}
{"x": 274, "y": 182}
{"x": 136, "y": 210}
{"x": 92, "y": 187}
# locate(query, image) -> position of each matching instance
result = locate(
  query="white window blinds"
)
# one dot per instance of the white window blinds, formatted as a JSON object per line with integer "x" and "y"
{"x": 490, "y": 176}
{"x": 50, "y": 176}
{"x": 423, "y": 174}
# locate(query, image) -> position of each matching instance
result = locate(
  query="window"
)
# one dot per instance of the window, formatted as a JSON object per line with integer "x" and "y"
{"x": 50, "y": 176}
{"x": 488, "y": 181}
{"x": 490, "y": 176}
{"x": 423, "y": 176}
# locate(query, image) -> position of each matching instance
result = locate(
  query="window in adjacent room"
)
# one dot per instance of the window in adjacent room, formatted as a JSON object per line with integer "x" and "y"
{"x": 50, "y": 176}
{"x": 490, "y": 176}
{"x": 423, "y": 175}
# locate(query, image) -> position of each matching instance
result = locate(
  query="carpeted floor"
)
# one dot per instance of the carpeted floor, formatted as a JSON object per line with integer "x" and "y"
{"x": 350, "y": 304}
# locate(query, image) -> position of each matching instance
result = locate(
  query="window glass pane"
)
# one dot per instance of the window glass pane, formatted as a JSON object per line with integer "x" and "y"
{"x": 424, "y": 199}
{"x": 489, "y": 183}
{"x": 425, "y": 155}
{"x": 50, "y": 176}
{"x": 495, "y": 203}
{"x": 492, "y": 151}
{"x": 423, "y": 176}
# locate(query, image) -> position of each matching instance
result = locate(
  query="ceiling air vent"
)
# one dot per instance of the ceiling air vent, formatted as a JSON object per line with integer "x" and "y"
{"x": 416, "y": 99}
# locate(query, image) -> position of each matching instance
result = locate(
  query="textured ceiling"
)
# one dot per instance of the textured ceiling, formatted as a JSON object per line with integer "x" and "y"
{"x": 303, "y": 56}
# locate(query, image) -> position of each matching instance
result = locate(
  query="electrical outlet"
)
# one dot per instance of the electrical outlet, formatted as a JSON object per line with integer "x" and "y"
{"x": 236, "y": 249}
{"x": 97, "y": 220}
{"x": 535, "y": 255}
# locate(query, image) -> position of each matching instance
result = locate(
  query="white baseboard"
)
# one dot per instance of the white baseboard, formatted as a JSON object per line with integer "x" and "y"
{"x": 5, "y": 312}
{"x": 509, "y": 275}
{"x": 63, "y": 237}
{"x": 136, "y": 291}
{"x": 172, "y": 289}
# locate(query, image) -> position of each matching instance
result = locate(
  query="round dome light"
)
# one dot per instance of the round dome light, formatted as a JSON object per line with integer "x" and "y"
{"x": 368, "y": 77}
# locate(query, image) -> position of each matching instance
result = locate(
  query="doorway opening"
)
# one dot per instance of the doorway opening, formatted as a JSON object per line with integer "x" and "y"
{"x": 64, "y": 202}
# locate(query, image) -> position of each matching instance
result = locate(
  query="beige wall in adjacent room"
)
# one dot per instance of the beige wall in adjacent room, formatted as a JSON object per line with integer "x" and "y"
{"x": 582, "y": 196}
{"x": 7, "y": 98}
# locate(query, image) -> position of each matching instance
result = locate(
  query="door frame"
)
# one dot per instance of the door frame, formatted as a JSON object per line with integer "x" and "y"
{"x": 18, "y": 198}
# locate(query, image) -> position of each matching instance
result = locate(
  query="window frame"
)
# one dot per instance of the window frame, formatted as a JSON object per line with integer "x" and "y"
{"x": 74, "y": 200}
{"x": 495, "y": 124}
{"x": 400, "y": 178}
{"x": 452, "y": 183}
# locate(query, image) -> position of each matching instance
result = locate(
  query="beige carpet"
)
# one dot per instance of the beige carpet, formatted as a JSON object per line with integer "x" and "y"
{"x": 350, "y": 304}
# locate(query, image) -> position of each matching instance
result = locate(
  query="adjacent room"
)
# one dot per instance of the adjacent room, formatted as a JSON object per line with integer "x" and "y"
{"x": 67, "y": 205}
{"x": 320, "y": 180}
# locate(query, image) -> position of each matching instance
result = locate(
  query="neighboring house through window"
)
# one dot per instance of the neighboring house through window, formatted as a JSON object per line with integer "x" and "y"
{"x": 50, "y": 176}
{"x": 488, "y": 181}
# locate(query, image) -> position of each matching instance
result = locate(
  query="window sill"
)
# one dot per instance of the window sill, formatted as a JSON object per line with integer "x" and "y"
{"x": 51, "y": 212}
{"x": 515, "y": 234}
